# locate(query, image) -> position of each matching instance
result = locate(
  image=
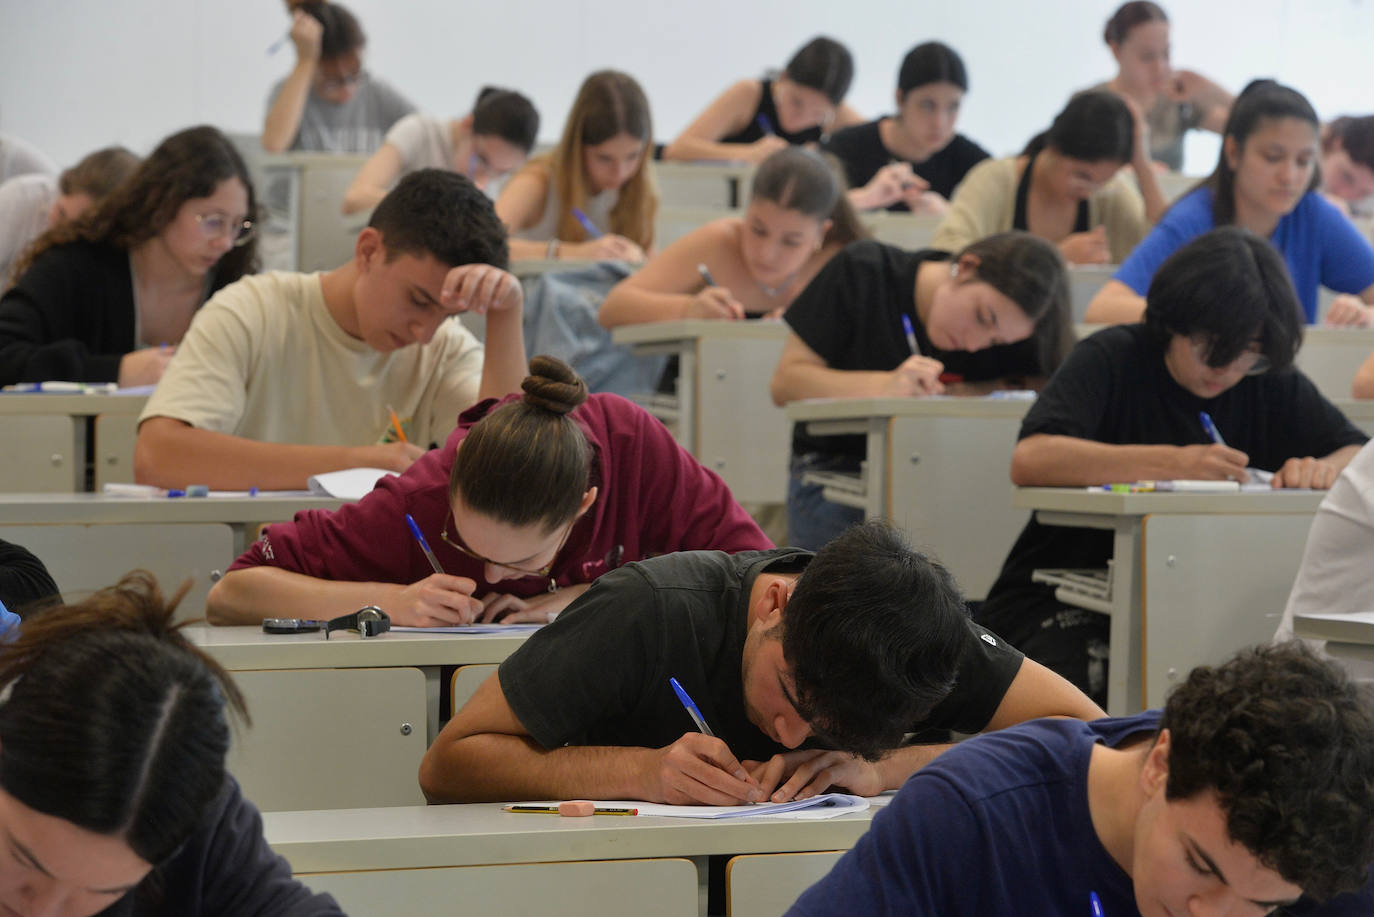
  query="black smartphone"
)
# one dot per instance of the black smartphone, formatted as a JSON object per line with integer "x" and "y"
{"x": 292, "y": 626}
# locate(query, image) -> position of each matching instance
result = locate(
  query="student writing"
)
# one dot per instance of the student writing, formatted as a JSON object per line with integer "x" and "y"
{"x": 1067, "y": 186}
{"x": 600, "y": 167}
{"x": 486, "y": 145}
{"x": 796, "y": 220}
{"x": 1265, "y": 181}
{"x": 755, "y": 118}
{"x": 996, "y": 311}
{"x": 912, "y": 160}
{"x": 528, "y": 502}
{"x": 1220, "y": 332}
{"x": 350, "y": 346}
{"x": 104, "y": 298}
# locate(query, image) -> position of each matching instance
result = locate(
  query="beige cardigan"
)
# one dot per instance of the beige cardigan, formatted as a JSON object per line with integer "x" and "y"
{"x": 985, "y": 202}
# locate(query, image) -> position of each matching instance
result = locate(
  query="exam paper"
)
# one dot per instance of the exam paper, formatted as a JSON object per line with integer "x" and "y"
{"x": 470, "y": 629}
{"x": 826, "y": 805}
{"x": 349, "y": 484}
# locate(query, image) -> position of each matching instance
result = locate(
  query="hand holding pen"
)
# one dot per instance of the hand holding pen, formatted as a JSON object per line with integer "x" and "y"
{"x": 435, "y": 601}
{"x": 917, "y": 374}
{"x": 713, "y": 301}
{"x": 605, "y": 246}
{"x": 698, "y": 769}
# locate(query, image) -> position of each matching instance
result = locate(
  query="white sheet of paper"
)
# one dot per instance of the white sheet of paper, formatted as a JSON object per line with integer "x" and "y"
{"x": 826, "y": 805}
{"x": 349, "y": 484}
{"x": 470, "y": 629}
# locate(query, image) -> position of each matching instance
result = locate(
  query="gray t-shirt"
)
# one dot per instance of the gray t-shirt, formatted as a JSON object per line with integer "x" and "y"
{"x": 356, "y": 126}
{"x": 1169, "y": 121}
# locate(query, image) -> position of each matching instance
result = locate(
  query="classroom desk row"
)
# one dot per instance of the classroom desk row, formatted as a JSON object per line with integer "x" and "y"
{"x": 398, "y": 861}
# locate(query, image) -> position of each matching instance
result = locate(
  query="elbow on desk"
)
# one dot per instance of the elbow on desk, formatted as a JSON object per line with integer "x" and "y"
{"x": 150, "y": 454}
{"x": 1363, "y": 386}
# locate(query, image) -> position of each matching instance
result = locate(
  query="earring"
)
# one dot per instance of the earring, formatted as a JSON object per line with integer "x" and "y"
{"x": 954, "y": 269}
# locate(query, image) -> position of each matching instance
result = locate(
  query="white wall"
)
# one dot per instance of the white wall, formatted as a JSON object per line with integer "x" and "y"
{"x": 78, "y": 74}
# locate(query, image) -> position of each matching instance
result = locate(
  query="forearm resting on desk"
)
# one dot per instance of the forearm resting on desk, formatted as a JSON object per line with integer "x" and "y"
{"x": 170, "y": 453}
{"x": 249, "y": 595}
{"x": 1046, "y": 460}
{"x": 1115, "y": 304}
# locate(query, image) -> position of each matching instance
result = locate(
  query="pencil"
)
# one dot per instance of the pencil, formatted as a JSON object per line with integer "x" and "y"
{"x": 396, "y": 423}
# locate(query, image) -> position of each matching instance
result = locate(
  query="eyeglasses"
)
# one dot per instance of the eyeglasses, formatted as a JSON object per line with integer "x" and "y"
{"x": 217, "y": 225}
{"x": 1250, "y": 362}
{"x": 523, "y": 571}
{"x": 335, "y": 83}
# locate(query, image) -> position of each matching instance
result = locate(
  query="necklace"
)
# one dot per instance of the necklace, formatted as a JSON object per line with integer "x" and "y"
{"x": 772, "y": 292}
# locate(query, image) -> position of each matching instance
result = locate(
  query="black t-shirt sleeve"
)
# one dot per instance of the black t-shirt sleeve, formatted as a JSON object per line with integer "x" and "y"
{"x": 592, "y": 664}
{"x": 817, "y": 315}
{"x": 227, "y": 868}
{"x": 39, "y": 335}
{"x": 987, "y": 669}
{"x": 859, "y": 150}
{"x": 1313, "y": 426}
{"x": 1075, "y": 399}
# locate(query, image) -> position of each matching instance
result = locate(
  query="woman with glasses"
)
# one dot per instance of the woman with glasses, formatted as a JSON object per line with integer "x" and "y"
{"x": 486, "y": 145}
{"x": 530, "y": 500}
{"x": 1266, "y": 181}
{"x": 106, "y": 297}
{"x": 1203, "y": 389}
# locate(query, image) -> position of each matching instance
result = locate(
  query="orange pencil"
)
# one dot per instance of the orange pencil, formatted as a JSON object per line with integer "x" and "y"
{"x": 396, "y": 423}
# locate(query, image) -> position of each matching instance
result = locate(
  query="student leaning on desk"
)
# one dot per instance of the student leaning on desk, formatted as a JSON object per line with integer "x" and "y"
{"x": 1252, "y": 787}
{"x": 1221, "y": 329}
{"x": 529, "y": 501}
{"x": 283, "y": 375}
{"x": 114, "y": 799}
{"x": 853, "y": 648}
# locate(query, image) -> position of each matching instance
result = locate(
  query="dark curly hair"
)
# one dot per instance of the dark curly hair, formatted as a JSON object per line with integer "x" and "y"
{"x": 873, "y": 634}
{"x": 441, "y": 213}
{"x": 1286, "y": 741}
{"x": 187, "y": 165}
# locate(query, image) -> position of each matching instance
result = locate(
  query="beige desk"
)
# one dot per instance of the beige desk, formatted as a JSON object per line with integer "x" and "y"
{"x": 1330, "y": 357}
{"x": 723, "y": 185}
{"x": 722, "y": 412}
{"x": 1084, "y": 282}
{"x": 318, "y": 236}
{"x": 904, "y": 230}
{"x": 1361, "y": 413}
{"x": 672, "y": 223}
{"x": 1195, "y": 577}
{"x": 936, "y": 467}
{"x": 373, "y": 703}
{"x": 394, "y": 847}
{"x": 50, "y": 437}
{"x": 88, "y": 541}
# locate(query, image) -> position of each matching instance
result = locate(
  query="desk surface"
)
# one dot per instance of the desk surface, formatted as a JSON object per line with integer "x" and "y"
{"x": 81, "y": 509}
{"x": 471, "y": 835}
{"x": 762, "y": 329}
{"x": 246, "y": 647}
{"x": 74, "y": 404}
{"x": 840, "y": 408}
{"x": 1104, "y": 503}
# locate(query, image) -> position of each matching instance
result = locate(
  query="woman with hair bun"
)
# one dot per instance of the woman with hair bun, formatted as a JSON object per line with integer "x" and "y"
{"x": 114, "y": 799}
{"x": 530, "y": 500}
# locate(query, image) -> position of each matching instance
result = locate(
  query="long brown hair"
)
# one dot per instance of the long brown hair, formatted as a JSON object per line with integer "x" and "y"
{"x": 187, "y": 165}
{"x": 112, "y": 720}
{"x": 610, "y": 103}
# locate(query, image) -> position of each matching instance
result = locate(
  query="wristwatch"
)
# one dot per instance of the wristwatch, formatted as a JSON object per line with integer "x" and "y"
{"x": 368, "y": 621}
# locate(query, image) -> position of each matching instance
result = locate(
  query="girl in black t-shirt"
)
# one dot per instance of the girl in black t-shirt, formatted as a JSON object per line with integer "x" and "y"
{"x": 882, "y": 322}
{"x": 748, "y": 266}
{"x": 755, "y": 118}
{"x": 912, "y": 160}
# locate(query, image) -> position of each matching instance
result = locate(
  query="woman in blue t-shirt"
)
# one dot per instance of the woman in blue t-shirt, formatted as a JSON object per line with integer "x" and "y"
{"x": 1265, "y": 181}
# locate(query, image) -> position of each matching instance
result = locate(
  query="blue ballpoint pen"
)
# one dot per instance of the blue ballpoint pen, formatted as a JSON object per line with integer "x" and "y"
{"x": 424, "y": 545}
{"x": 587, "y": 223}
{"x": 764, "y": 124}
{"x": 1095, "y": 904}
{"x": 692, "y": 710}
{"x": 1210, "y": 428}
{"x": 910, "y": 335}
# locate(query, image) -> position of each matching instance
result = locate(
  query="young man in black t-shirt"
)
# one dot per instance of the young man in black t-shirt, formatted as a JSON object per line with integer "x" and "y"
{"x": 1222, "y": 326}
{"x": 852, "y": 648}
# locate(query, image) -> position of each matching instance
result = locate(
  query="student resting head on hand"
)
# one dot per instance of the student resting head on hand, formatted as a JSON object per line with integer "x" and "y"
{"x": 1265, "y": 181}
{"x": 530, "y": 500}
{"x": 486, "y": 145}
{"x": 797, "y": 218}
{"x": 912, "y": 160}
{"x": 113, "y": 793}
{"x": 600, "y": 167}
{"x": 1253, "y": 787}
{"x": 783, "y": 653}
{"x": 755, "y": 118}
{"x": 1220, "y": 333}
{"x": 993, "y": 315}
{"x": 106, "y": 298}
{"x": 1066, "y": 186}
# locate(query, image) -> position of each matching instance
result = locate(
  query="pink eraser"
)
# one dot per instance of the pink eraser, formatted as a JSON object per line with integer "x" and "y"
{"x": 577, "y": 807}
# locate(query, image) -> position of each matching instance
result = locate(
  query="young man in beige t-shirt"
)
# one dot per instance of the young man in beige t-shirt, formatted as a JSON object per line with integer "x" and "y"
{"x": 282, "y": 375}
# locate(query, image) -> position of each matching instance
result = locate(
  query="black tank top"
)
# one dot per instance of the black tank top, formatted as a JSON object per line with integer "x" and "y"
{"x": 1018, "y": 219}
{"x": 767, "y": 110}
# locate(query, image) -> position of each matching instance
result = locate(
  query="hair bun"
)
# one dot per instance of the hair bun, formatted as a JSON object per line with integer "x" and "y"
{"x": 553, "y": 386}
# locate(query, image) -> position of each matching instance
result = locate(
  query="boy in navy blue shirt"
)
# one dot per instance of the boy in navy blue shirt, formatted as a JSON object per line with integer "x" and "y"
{"x": 1253, "y": 787}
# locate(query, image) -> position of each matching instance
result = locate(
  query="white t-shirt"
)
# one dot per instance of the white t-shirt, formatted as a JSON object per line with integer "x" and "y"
{"x": 25, "y": 202}
{"x": 19, "y": 157}
{"x": 1337, "y": 572}
{"x": 424, "y": 142}
{"x": 265, "y": 360}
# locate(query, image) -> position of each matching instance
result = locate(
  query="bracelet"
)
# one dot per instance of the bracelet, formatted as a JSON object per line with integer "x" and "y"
{"x": 551, "y": 252}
